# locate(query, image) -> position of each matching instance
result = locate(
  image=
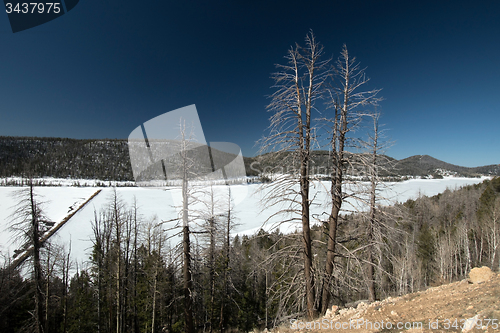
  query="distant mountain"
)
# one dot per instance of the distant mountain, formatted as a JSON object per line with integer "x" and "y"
{"x": 109, "y": 160}
{"x": 420, "y": 165}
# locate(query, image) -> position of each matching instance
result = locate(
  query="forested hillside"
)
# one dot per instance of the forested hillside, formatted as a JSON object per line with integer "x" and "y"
{"x": 65, "y": 158}
{"x": 109, "y": 160}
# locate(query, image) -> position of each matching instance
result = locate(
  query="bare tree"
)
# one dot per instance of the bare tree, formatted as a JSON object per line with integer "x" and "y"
{"x": 190, "y": 164}
{"x": 298, "y": 85}
{"x": 348, "y": 103}
{"x": 66, "y": 265}
{"x": 211, "y": 228}
{"x": 28, "y": 222}
{"x": 158, "y": 243}
{"x": 374, "y": 162}
{"x": 491, "y": 224}
{"x": 118, "y": 220}
{"x": 102, "y": 242}
{"x": 226, "y": 260}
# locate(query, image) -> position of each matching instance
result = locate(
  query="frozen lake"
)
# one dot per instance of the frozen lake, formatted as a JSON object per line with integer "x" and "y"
{"x": 248, "y": 208}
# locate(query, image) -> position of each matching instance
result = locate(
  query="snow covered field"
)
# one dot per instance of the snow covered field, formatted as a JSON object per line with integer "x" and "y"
{"x": 249, "y": 211}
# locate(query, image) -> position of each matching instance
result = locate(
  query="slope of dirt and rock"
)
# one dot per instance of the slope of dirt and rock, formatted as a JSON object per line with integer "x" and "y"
{"x": 471, "y": 305}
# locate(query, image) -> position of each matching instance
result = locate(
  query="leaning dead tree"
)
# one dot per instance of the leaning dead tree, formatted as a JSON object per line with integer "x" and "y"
{"x": 348, "y": 102}
{"x": 299, "y": 84}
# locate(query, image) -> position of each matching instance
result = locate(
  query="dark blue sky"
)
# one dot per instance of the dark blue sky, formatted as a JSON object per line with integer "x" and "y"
{"x": 105, "y": 67}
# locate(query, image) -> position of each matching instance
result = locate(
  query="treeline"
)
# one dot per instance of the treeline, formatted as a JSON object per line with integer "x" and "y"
{"x": 133, "y": 280}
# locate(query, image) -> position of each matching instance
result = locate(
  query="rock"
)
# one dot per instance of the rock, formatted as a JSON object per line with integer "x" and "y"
{"x": 354, "y": 305}
{"x": 479, "y": 275}
{"x": 361, "y": 305}
{"x": 330, "y": 313}
{"x": 470, "y": 323}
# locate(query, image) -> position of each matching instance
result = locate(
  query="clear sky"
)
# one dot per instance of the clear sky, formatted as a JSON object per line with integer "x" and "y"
{"x": 107, "y": 66}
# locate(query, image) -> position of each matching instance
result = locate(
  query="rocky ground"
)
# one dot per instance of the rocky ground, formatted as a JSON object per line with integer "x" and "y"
{"x": 471, "y": 305}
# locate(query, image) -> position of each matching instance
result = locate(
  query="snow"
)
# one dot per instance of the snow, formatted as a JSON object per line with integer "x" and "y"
{"x": 248, "y": 209}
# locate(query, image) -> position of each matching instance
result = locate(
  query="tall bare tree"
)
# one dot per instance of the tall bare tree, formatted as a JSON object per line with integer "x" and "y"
{"x": 373, "y": 161}
{"x": 188, "y": 281}
{"x": 299, "y": 84}
{"x": 190, "y": 162}
{"x": 226, "y": 261}
{"x": 28, "y": 223}
{"x": 348, "y": 102}
{"x": 117, "y": 215}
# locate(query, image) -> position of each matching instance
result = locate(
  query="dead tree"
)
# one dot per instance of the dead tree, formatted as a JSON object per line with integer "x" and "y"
{"x": 226, "y": 261}
{"x": 298, "y": 85}
{"x": 348, "y": 103}
{"x": 28, "y": 223}
{"x": 188, "y": 168}
{"x": 117, "y": 212}
{"x": 210, "y": 216}
{"x": 372, "y": 165}
{"x": 66, "y": 265}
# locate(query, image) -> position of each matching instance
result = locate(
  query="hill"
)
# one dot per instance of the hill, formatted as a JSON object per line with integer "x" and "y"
{"x": 426, "y": 165}
{"x": 108, "y": 159}
{"x": 65, "y": 158}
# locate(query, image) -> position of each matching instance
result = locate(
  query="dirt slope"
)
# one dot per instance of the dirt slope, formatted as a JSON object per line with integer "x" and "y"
{"x": 439, "y": 309}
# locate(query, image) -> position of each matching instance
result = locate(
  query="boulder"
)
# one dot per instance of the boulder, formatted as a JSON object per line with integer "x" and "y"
{"x": 331, "y": 312}
{"x": 479, "y": 275}
{"x": 470, "y": 323}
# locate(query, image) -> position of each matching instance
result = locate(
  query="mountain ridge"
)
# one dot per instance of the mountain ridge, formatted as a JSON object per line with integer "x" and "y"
{"x": 93, "y": 158}
{"x": 426, "y": 162}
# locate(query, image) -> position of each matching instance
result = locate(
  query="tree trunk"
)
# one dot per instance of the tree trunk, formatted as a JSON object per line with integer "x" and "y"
{"x": 136, "y": 319}
{"x": 37, "y": 267}
{"x": 154, "y": 299}
{"x": 47, "y": 292}
{"x": 212, "y": 270}
{"x": 226, "y": 264}
{"x": 188, "y": 284}
{"x": 336, "y": 196}
{"x": 371, "y": 222}
{"x": 330, "y": 254}
{"x": 118, "y": 270}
